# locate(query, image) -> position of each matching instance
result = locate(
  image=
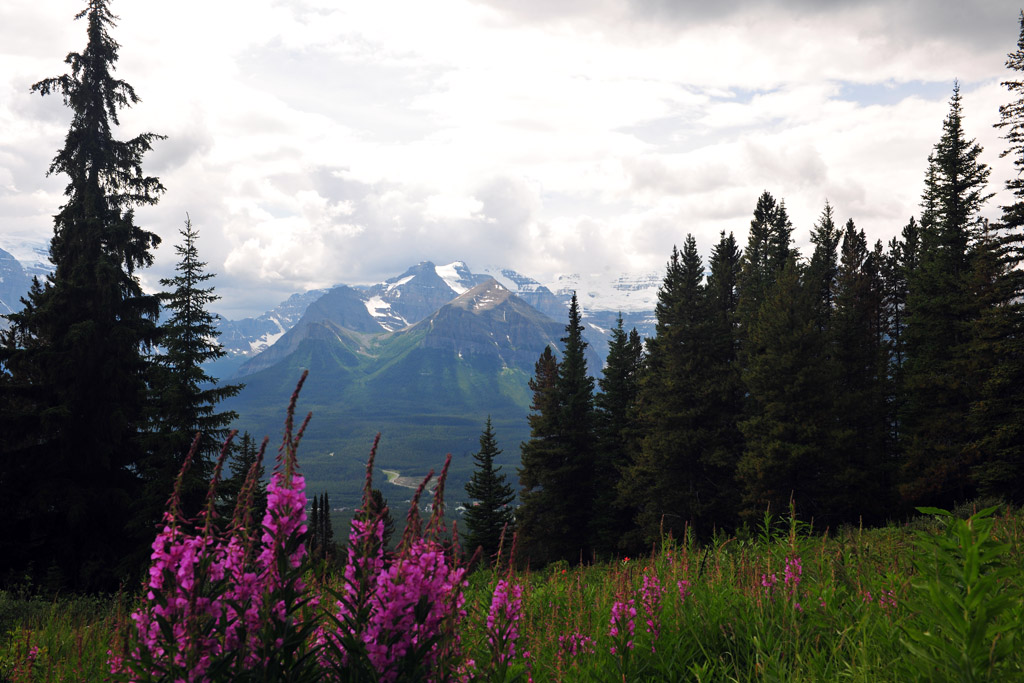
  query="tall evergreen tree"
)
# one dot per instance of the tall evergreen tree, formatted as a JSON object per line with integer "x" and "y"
{"x": 997, "y": 408}
{"x": 326, "y": 525}
{"x": 489, "y": 512}
{"x": 558, "y": 462}
{"x": 73, "y": 362}
{"x": 760, "y": 262}
{"x": 723, "y": 388}
{"x": 861, "y": 480}
{"x": 313, "y": 533}
{"x": 542, "y": 465}
{"x": 823, "y": 269}
{"x": 617, "y": 437}
{"x": 243, "y": 457}
{"x": 941, "y": 310}
{"x": 185, "y": 396}
{"x": 669, "y": 480}
{"x": 788, "y": 428}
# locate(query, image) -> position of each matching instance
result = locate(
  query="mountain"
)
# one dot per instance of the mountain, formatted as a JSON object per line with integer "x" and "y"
{"x": 340, "y": 308}
{"x": 427, "y": 387}
{"x": 418, "y": 292}
{"x": 14, "y": 284}
{"x": 531, "y": 291}
{"x": 250, "y": 336}
{"x": 421, "y": 290}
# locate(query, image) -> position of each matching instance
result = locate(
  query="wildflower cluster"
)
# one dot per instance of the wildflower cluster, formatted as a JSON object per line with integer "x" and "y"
{"x": 502, "y": 619}
{"x": 684, "y": 590}
{"x": 622, "y": 626}
{"x": 228, "y": 601}
{"x": 651, "y": 593}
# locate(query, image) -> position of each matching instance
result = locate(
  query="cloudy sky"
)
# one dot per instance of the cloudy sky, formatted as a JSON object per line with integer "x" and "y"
{"x": 316, "y": 141}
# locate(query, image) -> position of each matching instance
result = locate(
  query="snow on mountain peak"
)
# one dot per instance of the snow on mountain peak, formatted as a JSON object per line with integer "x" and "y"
{"x": 456, "y": 275}
{"x": 483, "y": 297}
{"x": 627, "y": 293}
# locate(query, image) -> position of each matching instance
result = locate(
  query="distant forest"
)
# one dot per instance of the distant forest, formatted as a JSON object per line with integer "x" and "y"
{"x": 857, "y": 382}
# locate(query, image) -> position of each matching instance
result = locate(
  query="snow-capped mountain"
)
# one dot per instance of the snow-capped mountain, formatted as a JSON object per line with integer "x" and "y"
{"x": 603, "y": 292}
{"x": 406, "y": 299}
{"x": 250, "y": 336}
{"x": 14, "y": 284}
{"x": 397, "y": 302}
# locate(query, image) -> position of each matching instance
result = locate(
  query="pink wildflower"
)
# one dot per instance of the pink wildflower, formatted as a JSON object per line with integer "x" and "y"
{"x": 621, "y": 625}
{"x": 650, "y": 597}
{"x": 794, "y": 570}
{"x": 502, "y": 618}
{"x": 684, "y": 590}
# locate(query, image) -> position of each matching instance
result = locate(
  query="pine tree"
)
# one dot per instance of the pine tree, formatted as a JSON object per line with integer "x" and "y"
{"x": 243, "y": 457}
{"x": 326, "y": 527}
{"x": 760, "y": 262}
{"x": 74, "y": 358}
{"x": 723, "y": 389}
{"x": 556, "y": 476}
{"x": 861, "y": 481}
{"x": 185, "y": 396}
{"x": 617, "y": 438}
{"x": 313, "y": 539}
{"x": 997, "y": 338}
{"x": 941, "y": 310}
{"x": 541, "y": 461}
{"x": 377, "y": 508}
{"x": 823, "y": 269}
{"x": 669, "y": 481}
{"x": 788, "y": 428}
{"x": 489, "y": 513}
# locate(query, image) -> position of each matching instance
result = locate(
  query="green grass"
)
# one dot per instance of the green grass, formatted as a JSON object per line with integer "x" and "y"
{"x": 862, "y": 594}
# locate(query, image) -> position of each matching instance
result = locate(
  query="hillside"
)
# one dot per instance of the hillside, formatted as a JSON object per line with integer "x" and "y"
{"x": 428, "y": 388}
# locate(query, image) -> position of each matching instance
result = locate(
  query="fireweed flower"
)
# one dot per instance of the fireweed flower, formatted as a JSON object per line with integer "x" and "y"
{"x": 503, "y": 618}
{"x": 398, "y": 621}
{"x": 622, "y": 626}
{"x": 684, "y": 590}
{"x": 794, "y": 570}
{"x": 575, "y": 644}
{"x": 405, "y": 613}
{"x": 650, "y": 597}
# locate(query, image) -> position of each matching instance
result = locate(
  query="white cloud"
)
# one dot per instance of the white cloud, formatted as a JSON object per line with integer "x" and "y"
{"x": 313, "y": 142}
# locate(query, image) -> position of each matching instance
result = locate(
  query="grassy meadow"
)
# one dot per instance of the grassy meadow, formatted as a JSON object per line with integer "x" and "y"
{"x": 936, "y": 599}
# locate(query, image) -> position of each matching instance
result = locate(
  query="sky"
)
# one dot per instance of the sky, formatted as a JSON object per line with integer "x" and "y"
{"x": 316, "y": 142}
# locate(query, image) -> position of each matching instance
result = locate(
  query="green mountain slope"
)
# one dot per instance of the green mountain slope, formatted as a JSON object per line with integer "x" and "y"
{"x": 427, "y": 388}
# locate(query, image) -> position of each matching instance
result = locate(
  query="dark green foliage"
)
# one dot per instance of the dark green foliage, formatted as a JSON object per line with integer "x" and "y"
{"x": 941, "y": 309}
{"x": 970, "y": 612}
{"x": 723, "y": 391}
{"x": 320, "y": 530}
{"x": 541, "y": 463}
{"x": 617, "y": 438}
{"x": 244, "y": 456}
{"x": 489, "y": 514}
{"x": 899, "y": 261}
{"x": 766, "y": 254}
{"x": 997, "y": 344}
{"x": 558, "y": 461}
{"x": 823, "y": 269}
{"x": 73, "y": 361}
{"x": 862, "y": 476}
{"x": 184, "y": 395}
{"x": 667, "y": 481}
{"x": 789, "y": 429}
